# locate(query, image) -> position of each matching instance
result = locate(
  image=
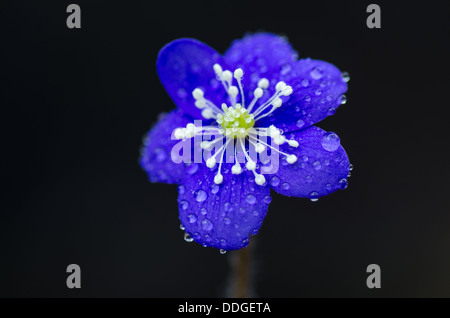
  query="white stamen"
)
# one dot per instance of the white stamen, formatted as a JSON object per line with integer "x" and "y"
{"x": 259, "y": 179}
{"x": 210, "y": 162}
{"x": 292, "y": 143}
{"x": 197, "y": 94}
{"x": 217, "y": 69}
{"x": 291, "y": 159}
{"x": 251, "y": 165}
{"x": 263, "y": 83}
{"x": 236, "y": 168}
{"x": 218, "y": 179}
{"x": 238, "y": 73}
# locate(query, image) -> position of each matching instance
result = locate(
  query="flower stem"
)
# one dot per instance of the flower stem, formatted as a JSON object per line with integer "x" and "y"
{"x": 240, "y": 284}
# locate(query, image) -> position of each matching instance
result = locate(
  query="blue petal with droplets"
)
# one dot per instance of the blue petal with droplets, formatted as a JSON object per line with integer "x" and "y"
{"x": 222, "y": 216}
{"x": 321, "y": 168}
{"x": 156, "y": 153}
{"x": 186, "y": 64}
{"x": 318, "y": 89}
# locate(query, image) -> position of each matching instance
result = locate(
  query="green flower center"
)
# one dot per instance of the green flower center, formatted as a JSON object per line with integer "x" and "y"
{"x": 235, "y": 121}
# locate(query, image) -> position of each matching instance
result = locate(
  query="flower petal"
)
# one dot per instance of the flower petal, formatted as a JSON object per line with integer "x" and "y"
{"x": 317, "y": 93}
{"x": 156, "y": 153}
{"x": 321, "y": 168}
{"x": 222, "y": 216}
{"x": 186, "y": 64}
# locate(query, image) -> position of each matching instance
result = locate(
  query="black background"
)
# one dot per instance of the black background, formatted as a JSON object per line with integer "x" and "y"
{"x": 76, "y": 103}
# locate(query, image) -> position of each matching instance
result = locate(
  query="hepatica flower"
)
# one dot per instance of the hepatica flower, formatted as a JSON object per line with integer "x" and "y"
{"x": 243, "y": 126}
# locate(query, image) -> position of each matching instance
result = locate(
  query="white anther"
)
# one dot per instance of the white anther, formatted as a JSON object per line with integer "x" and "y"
{"x": 201, "y": 103}
{"x": 210, "y": 162}
{"x": 260, "y": 179}
{"x": 287, "y": 91}
{"x": 259, "y": 148}
{"x": 190, "y": 130}
{"x": 279, "y": 140}
{"x": 179, "y": 133}
{"x": 224, "y": 107}
{"x": 251, "y": 165}
{"x": 238, "y": 73}
{"x": 205, "y": 144}
{"x": 277, "y": 102}
{"x": 236, "y": 169}
{"x": 217, "y": 69}
{"x": 218, "y": 179}
{"x": 233, "y": 91}
{"x": 258, "y": 92}
{"x": 207, "y": 113}
{"x": 227, "y": 76}
{"x": 292, "y": 143}
{"x": 197, "y": 93}
{"x": 280, "y": 86}
{"x": 263, "y": 83}
{"x": 273, "y": 131}
{"x": 291, "y": 159}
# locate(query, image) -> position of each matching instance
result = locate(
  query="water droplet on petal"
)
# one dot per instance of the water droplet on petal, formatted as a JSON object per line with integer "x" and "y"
{"x": 181, "y": 189}
{"x": 308, "y": 179}
{"x": 203, "y": 211}
{"x": 300, "y": 123}
{"x": 285, "y": 186}
{"x": 316, "y": 73}
{"x": 214, "y": 188}
{"x": 188, "y": 238}
{"x": 305, "y": 83}
{"x": 317, "y": 165}
{"x": 307, "y": 98}
{"x": 251, "y": 199}
{"x": 200, "y": 195}
{"x": 275, "y": 181}
{"x": 222, "y": 251}
{"x": 255, "y": 213}
{"x": 343, "y": 99}
{"x": 330, "y": 141}
{"x": 207, "y": 225}
{"x": 182, "y": 227}
{"x": 227, "y": 221}
{"x": 192, "y": 218}
{"x": 267, "y": 199}
{"x": 227, "y": 206}
{"x": 350, "y": 167}
{"x": 328, "y": 186}
{"x": 184, "y": 204}
{"x": 193, "y": 168}
{"x": 314, "y": 196}
{"x": 343, "y": 183}
{"x": 345, "y": 76}
{"x": 223, "y": 242}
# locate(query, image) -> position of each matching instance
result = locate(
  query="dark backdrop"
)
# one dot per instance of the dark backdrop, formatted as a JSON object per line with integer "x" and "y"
{"x": 76, "y": 103}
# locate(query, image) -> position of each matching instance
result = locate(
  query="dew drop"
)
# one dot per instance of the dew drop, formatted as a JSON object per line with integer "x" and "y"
{"x": 275, "y": 181}
{"x": 328, "y": 186}
{"x": 343, "y": 183}
{"x": 330, "y": 141}
{"x": 307, "y": 98}
{"x": 308, "y": 179}
{"x": 255, "y": 213}
{"x": 345, "y": 76}
{"x": 222, "y": 251}
{"x": 318, "y": 92}
{"x": 227, "y": 221}
{"x": 317, "y": 165}
{"x": 331, "y": 111}
{"x": 285, "y": 186}
{"x": 207, "y": 225}
{"x": 350, "y": 167}
{"x": 305, "y": 158}
{"x": 245, "y": 241}
{"x": 343, "y": 99}
{"x": 214, "y": 188}
{"x": 200, "y": 195}
{"x": 181, "y": 189}
{"x": 203, "y": 211}
{"x": 227, "y": 206}
{"x": 188, "y": 238}
{"x": 314, "y": 196}
{"x": 251, "y": 199}
{"x": 193, "y": 168}
{"x": 305, "y": 83}
{"x": 184, "y": 204}
{"x": 316, "y": 73}
{"x": 182, "y": 227}
{"x": 300, "y": 123}
{"x": 192, "y": 218}
{"x": 267, "y": 199}
{"x": 223, "y": 242}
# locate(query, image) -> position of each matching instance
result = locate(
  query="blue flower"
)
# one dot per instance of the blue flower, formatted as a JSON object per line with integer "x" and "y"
{"x": 256, "y": 98}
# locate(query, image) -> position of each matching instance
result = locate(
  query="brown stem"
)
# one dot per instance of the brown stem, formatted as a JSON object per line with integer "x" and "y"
{"x": 241, "y": 276}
